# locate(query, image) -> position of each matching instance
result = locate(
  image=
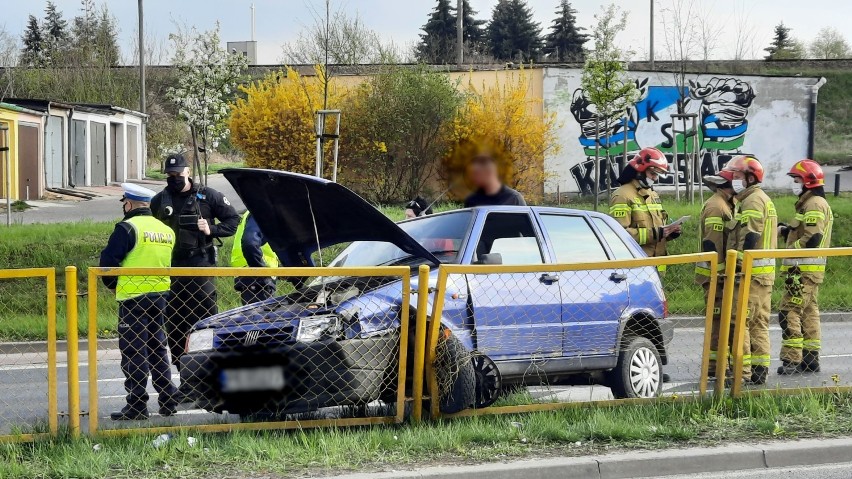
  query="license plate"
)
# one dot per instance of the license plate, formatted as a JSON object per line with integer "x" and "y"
{"x": 254, "y": 379}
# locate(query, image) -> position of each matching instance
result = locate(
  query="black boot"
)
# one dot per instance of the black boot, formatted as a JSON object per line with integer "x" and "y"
{"x": 788, "y": 368}
{"x": 759, "y": 374}
{"x": 129, "y": 414}
{"x": 810, "y": 362}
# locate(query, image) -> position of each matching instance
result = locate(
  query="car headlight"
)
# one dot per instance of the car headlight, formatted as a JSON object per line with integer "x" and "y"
{"x": 201, "y": 340}
{"x": 311, "y": 329}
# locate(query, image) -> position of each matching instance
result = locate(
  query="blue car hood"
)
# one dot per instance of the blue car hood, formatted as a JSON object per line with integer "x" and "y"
{"x": 299, "y": 213}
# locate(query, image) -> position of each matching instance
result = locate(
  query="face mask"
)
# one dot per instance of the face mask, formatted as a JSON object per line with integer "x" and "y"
{"x": 738, "y": 185}
{"x": 124, "y": 208}
{"x": 797, "y": 189}
{"x": 176, "y": 183}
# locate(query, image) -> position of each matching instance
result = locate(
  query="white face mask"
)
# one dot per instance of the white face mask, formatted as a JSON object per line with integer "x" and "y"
{"x": 797, "y": 189}
{"x": 738, "y": 185}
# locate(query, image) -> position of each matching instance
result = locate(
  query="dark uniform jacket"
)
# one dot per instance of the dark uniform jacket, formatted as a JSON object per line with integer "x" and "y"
{"x": 181, "y": 211}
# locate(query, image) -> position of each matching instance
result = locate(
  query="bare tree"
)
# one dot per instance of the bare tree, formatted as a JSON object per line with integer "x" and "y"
{"x": 156, "y": 52}
{"x": 346, "y": 38}
{"x": 744, "y": 29}
{"x": 708, "y": 31}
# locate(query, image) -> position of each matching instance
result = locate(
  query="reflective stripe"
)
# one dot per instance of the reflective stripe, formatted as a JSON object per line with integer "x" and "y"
{"x": 655, "y": 207}
{"x": 662, "y": 268}
{"x": 801, "y": 261}
{"x": 745, "y": 215}
{"x": 761, "y": 360}
{"x": 800, "y": 216}
{"x": 713, "y": 355}
{"x": 714, "y": 220}
{"x": 812, "y": 344}
{"x": 619, "y": 210}
{"x": 643, "y": 235}
{"x": 703, "y": 268}
{"x": 813, "y": 216}
{"x": 815, "y": 268}
{"x": 792, "y": 343}
{"x": 763, "y": 266}
{"x": 746, "y": 359}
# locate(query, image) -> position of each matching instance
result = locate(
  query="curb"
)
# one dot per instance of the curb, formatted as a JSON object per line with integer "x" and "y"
{"x": 696, "y": 460}
{"x": 61, "y": 346}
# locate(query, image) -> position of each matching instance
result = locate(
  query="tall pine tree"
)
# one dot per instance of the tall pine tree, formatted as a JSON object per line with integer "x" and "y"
{"x": 83, "y": 34}
{"x": 565, "y": 41}
{"x": 512, "y": 33}
{"x": 32, "y": 54}
{"x": 783, "y": 45}
{"x": 55, "y": 34}
{"x": 472, "y": 28}
{"x": 438, "y": 41}
{"x": 106, "y": 39}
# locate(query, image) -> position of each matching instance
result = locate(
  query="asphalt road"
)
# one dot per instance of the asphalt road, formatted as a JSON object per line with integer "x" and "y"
{"x": 23, "y": 395}
{"x": 827, "y": 471}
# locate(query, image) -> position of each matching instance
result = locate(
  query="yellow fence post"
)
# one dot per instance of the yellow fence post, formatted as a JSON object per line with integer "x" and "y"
{"x": 741, "y": 323}
{"x": 708, "y": 326}
{"x": 72, "y": 351}
{"x": 404, "y": 338}
{"x": 725, "y": 321}
{"x": 52, "y": 382}
{"x": 420, "y": 343}
{"x": 434, "y": 332}
{"x": 93, "y": 352}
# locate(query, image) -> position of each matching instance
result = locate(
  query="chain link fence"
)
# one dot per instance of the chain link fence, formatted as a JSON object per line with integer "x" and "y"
{"x": 237, "y": 348}
{"x": 810, "y": 326}
{"x": 523, "y": 336}
{"x": 28, "y": 370}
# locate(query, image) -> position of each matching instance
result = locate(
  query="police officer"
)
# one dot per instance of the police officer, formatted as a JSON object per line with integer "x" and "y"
{"x": 715, "y": 225}
{"x": 141, "y": 241}
{"x": 811, "y": 228}
{"x": 252, "y": 250}
{"x": 637, "y": 207}
{"x": 191, "y": 210}
{"x": 756, "y": 229}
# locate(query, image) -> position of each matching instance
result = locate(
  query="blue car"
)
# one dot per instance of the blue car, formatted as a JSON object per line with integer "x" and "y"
{"x": 334, "y": 341}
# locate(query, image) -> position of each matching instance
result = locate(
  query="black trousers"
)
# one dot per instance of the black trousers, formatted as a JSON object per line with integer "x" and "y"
{"x": 254, "y": 290}
{"x": 192, "y": 299}
{"x": 144, "y": 352}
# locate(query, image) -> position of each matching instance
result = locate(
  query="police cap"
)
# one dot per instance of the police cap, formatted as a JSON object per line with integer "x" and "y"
{"x": 135, "y": 192}
{"x": 175, "y": 163}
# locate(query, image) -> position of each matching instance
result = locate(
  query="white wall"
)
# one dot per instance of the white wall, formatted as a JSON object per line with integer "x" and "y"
{"x": 762, "y": 116}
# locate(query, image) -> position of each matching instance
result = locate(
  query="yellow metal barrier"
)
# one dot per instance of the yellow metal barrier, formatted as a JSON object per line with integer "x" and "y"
{"x": 16, "y": 424}
{"x": 73, "y": 352}
{"x": 434, "y": 330}
{"x": 215, "y": 423}
{"x": 811, "y": 382}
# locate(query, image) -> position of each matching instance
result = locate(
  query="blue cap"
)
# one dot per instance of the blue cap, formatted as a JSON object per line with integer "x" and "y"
{"x": 135, "y": 192}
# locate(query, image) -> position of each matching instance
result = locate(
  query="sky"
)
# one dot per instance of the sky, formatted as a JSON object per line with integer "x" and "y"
{"x": 279, "y": 21}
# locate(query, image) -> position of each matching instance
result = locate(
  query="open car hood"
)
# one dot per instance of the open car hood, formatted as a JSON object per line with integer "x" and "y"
{"x": 293, "y": 210}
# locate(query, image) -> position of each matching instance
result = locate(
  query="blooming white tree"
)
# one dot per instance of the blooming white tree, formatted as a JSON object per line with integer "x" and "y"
{"x": 208, "y": 77}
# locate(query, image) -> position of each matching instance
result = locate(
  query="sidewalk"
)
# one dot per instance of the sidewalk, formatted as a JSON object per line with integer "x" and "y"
{"x": 697, "y": 460}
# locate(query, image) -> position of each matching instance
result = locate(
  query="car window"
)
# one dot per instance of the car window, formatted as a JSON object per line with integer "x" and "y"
{"x": 572, "y": 239}
{"x": 616, "y": 244}
{"x": 512, "y": 235}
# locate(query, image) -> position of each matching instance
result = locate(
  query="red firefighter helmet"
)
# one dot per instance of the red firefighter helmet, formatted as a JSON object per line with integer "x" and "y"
{"x": 650, "y": 158}
{"x": 744, "y": 164}
{"x": 810, "y": 172}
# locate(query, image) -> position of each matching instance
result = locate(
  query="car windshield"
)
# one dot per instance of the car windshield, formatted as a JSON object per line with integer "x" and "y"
{"x": 441, "y": 234}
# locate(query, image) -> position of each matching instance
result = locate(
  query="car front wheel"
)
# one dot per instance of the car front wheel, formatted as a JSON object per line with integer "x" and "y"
{"x": 639, "y": 372}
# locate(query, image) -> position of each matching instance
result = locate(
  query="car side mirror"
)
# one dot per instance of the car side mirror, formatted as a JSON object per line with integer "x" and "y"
{"x": 490, "y": 258}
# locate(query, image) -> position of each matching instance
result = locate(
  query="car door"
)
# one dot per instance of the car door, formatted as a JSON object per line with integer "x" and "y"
{"x": 593, "y": 300}
{"x": 516, "y": 315}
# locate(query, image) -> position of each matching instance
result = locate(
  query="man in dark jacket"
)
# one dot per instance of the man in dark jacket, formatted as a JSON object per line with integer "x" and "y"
{"x": 482, "y": 173}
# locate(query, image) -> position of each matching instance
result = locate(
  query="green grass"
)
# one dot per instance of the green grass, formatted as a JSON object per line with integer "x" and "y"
{"x": 568, "y": 432}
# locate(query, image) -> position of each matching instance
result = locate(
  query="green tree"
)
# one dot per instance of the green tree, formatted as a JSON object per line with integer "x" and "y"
{"x": 784, "y": 46}
{"x": 830, "y": 44}
{"x": 565, "y": 40}
{"x": 604, "y": 80}
{"x": 512, "y": 33}
{"x": 438, "y": 41}
{"x": 32, "y": 54}
{"x": 473, "y": 29}
{"x": 55, "y": 34}
{"x": 106, "y": 39}
{"x": 400, "y": 123}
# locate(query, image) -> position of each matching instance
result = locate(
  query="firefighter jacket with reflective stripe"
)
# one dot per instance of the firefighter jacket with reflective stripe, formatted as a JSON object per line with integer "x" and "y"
{"x": 757, "y": 228}
{"x": 641, "y": 213}
{"x": 715, "y": 225}
{"x": 153, "y": 249}
{"x": 238, "y": 257}
{"x": 811, "y": 228}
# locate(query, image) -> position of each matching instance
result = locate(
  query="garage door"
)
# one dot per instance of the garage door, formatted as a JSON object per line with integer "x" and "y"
{"x": 28, "y": 160}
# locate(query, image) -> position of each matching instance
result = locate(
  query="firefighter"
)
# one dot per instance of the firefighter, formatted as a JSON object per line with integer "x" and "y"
{"x": 799, "y": 312}
{"x": 141, "y": 241}
{"x": 756, "y": 229}
{"x": 252, "y": 250}
{"x": 637, "y": 207}
{"x": 715, "y": 226}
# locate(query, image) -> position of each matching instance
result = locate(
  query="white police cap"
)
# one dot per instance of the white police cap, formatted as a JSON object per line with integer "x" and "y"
{"x": 135, "y": 192}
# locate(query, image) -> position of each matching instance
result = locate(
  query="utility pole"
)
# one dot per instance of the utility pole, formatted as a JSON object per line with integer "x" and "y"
{"x": 460, "y": 33}
{"x": 651, "y": 30}
{"x": 142, "y": 103}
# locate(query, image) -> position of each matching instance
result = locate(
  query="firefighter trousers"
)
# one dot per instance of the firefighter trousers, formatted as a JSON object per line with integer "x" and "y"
{"x": 799, "y": 321}
{"x": 756, "y": 348}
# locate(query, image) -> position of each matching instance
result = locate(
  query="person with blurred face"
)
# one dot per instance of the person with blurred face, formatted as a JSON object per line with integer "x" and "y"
{"x": 483, "y": 174}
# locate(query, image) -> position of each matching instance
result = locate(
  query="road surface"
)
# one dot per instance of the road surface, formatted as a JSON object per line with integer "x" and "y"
{"x": 23, "y": 396}
{"x": 827, "y": 471}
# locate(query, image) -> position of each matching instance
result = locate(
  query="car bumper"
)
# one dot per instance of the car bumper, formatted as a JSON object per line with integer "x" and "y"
{"x": 315, "y": 375}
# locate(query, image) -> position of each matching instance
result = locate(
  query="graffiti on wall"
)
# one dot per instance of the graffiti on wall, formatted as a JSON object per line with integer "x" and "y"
{"x": 721, "y": 106}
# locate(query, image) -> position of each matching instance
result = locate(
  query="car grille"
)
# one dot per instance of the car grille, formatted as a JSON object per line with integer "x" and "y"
{"x": 256, "y": 338}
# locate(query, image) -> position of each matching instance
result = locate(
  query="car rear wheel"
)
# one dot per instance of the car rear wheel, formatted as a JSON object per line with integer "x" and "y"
{"x": 455, "y": 375}
{"x": 638, "y": 373}
{"x": 488, "y": 380}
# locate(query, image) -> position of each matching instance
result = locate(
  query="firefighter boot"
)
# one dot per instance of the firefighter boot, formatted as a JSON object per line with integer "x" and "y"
{"x": 810, "y": 362}
{"x": 758, "y": 375}
{"x": 788, "y": 368}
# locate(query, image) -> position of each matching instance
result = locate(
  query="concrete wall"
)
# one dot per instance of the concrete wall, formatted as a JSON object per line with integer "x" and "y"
{"x": 767, "y": 117}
